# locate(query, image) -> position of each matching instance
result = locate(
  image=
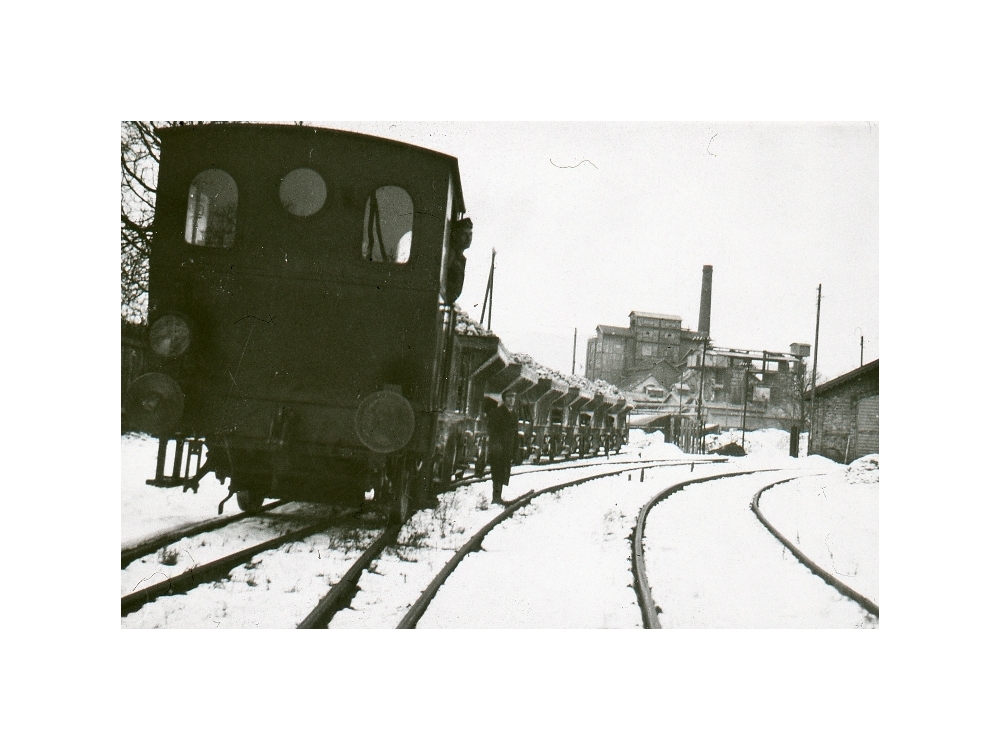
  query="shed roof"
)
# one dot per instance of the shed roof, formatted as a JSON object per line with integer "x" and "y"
{"x": 846, "y": 378}
{"x": 655, "y": 419}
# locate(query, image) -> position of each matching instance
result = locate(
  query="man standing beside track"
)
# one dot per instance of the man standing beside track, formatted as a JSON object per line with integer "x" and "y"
{"x": 502, "y": 430}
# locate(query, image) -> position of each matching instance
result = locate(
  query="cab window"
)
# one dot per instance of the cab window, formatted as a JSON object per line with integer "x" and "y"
{"x": 211, "y": 210}
{"x": 388, "y": 228}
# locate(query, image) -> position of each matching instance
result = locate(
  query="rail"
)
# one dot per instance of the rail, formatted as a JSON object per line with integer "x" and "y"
{"x": 650, "y": 612}
{"x": 419, "y": 607}
{"x": 216, "y": 569}
{"x": 843, "y": 588}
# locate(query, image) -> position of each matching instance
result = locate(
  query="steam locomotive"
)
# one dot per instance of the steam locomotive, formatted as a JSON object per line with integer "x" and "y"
{"x": 304, "y": 340}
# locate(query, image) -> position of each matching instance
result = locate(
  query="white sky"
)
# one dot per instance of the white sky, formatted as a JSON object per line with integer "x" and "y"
{"x": 776, "y": 208}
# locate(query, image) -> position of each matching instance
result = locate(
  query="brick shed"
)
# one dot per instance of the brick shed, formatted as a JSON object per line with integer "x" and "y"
{"x": 846, "y": 415}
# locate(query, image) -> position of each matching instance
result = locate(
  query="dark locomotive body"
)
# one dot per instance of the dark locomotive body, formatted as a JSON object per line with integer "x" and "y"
{"x": 302, "y": 323}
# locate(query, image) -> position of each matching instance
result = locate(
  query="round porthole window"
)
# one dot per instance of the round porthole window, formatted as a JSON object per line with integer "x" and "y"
{"x": 302, "y": 192}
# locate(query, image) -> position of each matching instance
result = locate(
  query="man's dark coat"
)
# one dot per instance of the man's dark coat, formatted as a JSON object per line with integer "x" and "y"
{"x": 502, "y": 430}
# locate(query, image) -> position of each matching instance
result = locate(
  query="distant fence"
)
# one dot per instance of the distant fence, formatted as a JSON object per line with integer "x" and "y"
{"x": 689, "y": 438}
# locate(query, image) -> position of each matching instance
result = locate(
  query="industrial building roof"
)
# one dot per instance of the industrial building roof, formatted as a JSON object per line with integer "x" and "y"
{"x": 614, "y": 330}
{"x": 746, "y": 354}
{"x": 661, "y": 316}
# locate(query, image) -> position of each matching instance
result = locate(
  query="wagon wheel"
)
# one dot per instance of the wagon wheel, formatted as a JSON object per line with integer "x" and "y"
{"x": 401, "y": 492}
{"x": 423, "y": 490}
{"x": 481, "y": 459}
{"x": 250, "y": 501}
{"x": 451, "y": 458}
{"x": 437, "y": 469}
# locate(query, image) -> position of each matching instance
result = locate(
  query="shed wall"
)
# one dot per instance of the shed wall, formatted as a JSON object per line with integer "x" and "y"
{"x": 847, "y": 420}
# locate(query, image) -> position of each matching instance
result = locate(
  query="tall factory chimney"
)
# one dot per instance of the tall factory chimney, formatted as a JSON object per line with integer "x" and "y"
{"x": 705, "y": 316}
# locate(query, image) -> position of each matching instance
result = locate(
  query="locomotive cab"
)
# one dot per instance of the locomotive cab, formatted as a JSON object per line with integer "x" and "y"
{"x": 301, "y": 283}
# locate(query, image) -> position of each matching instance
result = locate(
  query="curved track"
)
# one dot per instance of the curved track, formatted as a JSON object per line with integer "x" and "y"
{"x": 650, "y": 612}
{"x": 341, "y": 594}
{"x": 836, "y": 583}
{"x": 578, "y": 463}
{"x": 419, "y": 607}
{"x": 132, "y": 553}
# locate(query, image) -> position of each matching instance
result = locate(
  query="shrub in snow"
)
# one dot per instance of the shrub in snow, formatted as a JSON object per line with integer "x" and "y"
{"x": 729, "y": 449}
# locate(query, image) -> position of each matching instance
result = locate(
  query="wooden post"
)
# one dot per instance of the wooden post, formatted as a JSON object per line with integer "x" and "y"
{"x": 488, "y": 299}
{"x": 573, "y": 371}
{"x": 815, "y": 353}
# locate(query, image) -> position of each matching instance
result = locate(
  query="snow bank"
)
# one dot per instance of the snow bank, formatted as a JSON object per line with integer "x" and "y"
{"x": 651, "y": 445}
{"x": 769, "y": 441}
{"x": 864, "y": 470}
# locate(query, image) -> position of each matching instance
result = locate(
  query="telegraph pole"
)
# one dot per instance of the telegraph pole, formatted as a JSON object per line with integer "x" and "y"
{"x": 573, "y": 371}
{"x": 812, "y": 404}
{"x": 746, "y": 385}
{"x": 701, "y": 395}
{"x": 488, "y": 299}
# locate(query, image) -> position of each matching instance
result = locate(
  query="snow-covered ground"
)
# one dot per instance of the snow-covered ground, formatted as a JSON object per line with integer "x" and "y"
{"x": 563, "y": 561}
{"x": 146, "y": 510}
{"x": 833, "y": 520}
{"x": 711, "y": 563}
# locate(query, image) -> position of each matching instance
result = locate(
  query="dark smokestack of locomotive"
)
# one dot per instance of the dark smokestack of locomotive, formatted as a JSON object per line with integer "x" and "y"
{"x": 705, "y": 316}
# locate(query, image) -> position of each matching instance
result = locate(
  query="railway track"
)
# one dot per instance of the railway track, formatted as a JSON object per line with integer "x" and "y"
{"x": 578, "y": 464}
{"x": 419, "y": 607}
{"x": 650, "y": 612}
{"x": 843, "y": 588}
{"x": 221, "y": 567}
{"x": 648, "y": 607}
{"x": 151, "y": 545}
{"x": 341, "y": 594}
{"x": 148, "y": 546}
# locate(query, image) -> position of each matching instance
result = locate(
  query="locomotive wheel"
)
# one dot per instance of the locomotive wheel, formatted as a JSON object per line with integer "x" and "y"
{"x": 250, "y": 500}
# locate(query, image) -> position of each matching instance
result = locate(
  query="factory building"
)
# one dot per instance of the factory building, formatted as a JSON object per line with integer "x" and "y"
{"x": 683, "y": 384}
{"x": 653, "y": 343}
